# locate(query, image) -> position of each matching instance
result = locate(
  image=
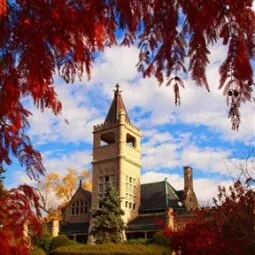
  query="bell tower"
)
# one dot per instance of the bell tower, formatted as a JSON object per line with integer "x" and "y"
{"x": 117, "y": 157}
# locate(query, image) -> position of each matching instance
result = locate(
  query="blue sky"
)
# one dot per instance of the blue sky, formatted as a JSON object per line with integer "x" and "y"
{"x": 197, "y": 133}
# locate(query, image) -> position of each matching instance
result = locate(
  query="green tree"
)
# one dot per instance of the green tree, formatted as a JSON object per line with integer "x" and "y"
{"x": 107, "y": 222}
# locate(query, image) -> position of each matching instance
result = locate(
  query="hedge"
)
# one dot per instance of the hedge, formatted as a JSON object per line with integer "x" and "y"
{"x": 38, "y": 251}
{"x": 60, "y": 241}
{"x": 44, "y": 242}
{"x": 139, "y": 241}
{"x": 111, "y": 249}
{"x": 160, "y": 239}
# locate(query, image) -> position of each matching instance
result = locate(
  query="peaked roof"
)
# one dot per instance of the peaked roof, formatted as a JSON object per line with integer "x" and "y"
{"x": 116, "y": 106}
{"x": 158, "y": 196}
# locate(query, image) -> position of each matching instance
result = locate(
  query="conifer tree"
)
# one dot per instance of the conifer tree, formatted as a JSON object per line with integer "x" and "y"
{"x": 107, "y": 222}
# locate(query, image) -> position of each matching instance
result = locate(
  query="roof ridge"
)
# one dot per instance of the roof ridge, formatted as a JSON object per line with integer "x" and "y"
{"x": 151, "y": 182}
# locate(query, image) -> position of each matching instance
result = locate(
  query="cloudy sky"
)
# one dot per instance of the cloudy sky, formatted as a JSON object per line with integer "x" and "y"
{"x": 197, "y": 133}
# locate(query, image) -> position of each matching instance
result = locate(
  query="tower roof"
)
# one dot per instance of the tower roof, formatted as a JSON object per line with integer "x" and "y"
{"x": 116, "y": 106}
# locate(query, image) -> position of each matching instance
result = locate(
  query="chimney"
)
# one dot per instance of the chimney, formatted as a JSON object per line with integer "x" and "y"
{"x": 188, "y": 178}
{"x": 189, "y": 198}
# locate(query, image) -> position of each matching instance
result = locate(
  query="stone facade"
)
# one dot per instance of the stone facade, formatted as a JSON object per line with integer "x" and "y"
{"x": 117, "y": 160}
{"x": 78, "y": 209}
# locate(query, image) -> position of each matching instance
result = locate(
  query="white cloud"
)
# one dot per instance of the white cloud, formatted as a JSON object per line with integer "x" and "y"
{"x": 57, "y": 161}
{"x": 76, "y": 159}
{"x": 74, "y": 124}
{"x": 20, "y": 177}
{"x": 206, "y": 159}
{"x": 161, "y": 156}
{"x": 161, "y": 150}
{"x": 117, "y": 64}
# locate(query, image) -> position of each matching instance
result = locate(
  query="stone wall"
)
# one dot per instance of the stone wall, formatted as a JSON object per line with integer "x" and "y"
{"x": 68, "y": 217}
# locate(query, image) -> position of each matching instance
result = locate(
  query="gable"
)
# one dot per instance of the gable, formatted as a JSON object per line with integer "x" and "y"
{"x": 80, "y": 194}
{"x": 78, "y": 209}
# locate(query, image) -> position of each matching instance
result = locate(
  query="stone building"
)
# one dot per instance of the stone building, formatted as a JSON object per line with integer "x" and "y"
{"x": 117, "y": 160}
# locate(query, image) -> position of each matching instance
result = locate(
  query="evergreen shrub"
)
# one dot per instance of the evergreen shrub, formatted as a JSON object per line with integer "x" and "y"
{"x": 160, "y": 239}
{"x": 60, "y": 241}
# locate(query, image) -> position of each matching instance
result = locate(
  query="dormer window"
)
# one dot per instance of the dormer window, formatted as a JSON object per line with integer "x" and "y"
{"x": 79, "y": 207}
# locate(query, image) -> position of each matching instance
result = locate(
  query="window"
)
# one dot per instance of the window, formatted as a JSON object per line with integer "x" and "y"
{"x": 131, "y": 141}
{"x": 107, "y": 138}
{"x": 113, "y": 180}
{"x": 103, "y": 181}
{"x": 79, "y": 207}
{"x": 130, "y": 192}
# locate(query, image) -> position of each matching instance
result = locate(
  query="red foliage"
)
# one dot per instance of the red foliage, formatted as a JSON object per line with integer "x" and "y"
{"x": 227, "y": 229}
{"x": 18, "y": 207}
{"x": 3, "y": 7}
{"x": 41, "y": 37}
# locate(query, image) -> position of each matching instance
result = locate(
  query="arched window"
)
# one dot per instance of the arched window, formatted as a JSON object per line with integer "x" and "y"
{"x": 79, "y": 207}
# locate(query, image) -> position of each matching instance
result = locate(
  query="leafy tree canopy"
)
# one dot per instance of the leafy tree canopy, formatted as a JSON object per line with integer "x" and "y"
{"x": 229, "y": 228}
{"x": 40, "y": 38}
{"x": 54, "y": 186}
{"x": 107, "y": 222}
{"x": 19, "y": 207}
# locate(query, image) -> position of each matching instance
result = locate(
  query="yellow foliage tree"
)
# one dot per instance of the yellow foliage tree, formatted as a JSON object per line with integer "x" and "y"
{"x": 54, "y": 186}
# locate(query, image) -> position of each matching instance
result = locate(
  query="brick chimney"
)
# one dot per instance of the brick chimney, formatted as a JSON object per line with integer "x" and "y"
{"x": 188, "y": 178}
{"x": 189, "y": 199}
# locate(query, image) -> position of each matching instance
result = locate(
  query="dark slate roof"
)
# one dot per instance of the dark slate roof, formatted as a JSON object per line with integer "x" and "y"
{"x": 73, "y": 228}
{"x": 173, "y": 199}
{"x": 116, "y": 106}
{"x": 148, "y": 222}
{"x": 88, "y": 195}
{"x": 180, "y": 194}
{"x": 153, "y": 196}
{"x": 158, "y": 196}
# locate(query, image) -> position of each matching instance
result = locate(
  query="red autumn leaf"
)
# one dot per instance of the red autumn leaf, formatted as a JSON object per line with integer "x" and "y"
{"x": 3, "y": 7}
